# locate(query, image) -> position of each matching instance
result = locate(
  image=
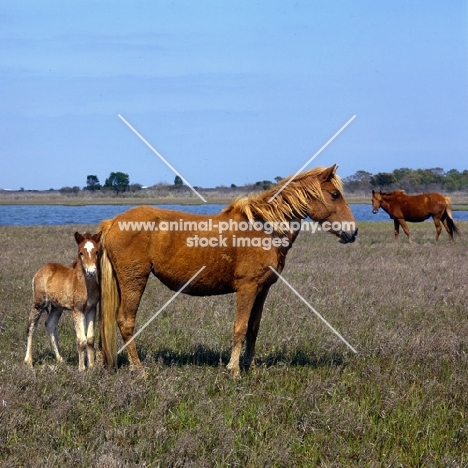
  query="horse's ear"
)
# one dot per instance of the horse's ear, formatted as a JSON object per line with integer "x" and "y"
{"x": 97, "y": 237}
{"x": 373, "y": 192}
{"x": 328, "y": 173}
{"x": 78, "y": 237}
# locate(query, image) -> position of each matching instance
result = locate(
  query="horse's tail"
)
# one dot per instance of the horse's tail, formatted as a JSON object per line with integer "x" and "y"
{"x": 453, "y": 229}
{"x": 110, "y": 301}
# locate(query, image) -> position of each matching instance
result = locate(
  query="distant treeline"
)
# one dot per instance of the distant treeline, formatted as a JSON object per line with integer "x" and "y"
{"x": 410, "y": 180}
{"x": 119, "y": 182}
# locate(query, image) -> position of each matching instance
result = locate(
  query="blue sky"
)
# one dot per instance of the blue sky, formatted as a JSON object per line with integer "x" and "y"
{"x": 229, "y": 91}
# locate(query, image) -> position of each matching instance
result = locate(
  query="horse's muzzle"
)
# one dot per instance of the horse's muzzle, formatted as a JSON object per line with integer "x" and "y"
{"x": 90, "y": 272}
{"x": 375, "y": 210}
{"x": 348, "y": 236}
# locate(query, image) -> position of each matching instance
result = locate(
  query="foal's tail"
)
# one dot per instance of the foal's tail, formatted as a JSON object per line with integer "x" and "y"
{"x": 110, "y": 301}
{"x": 453, "y": 229}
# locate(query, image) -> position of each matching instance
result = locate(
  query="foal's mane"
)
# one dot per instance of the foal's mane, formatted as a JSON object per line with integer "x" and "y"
{"x": 291, "y": 203}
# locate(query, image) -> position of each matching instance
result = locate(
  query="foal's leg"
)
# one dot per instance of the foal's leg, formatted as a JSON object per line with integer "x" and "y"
{"x": 80, "y": 326}
{"x": 245, "y": 301}
{"x": 52, "y": 329}
{"x": 34, "y": 317}
{"x": 90, "y": 318}
{"x": 253, "y": 327}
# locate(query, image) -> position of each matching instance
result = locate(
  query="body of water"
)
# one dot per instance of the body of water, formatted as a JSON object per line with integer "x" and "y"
{"x": 33, "y": 215}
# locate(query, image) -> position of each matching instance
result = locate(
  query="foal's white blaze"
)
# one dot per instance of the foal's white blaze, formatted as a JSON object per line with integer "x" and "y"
{"x": 90, "y": 269}
{"x": 89, "y": 246}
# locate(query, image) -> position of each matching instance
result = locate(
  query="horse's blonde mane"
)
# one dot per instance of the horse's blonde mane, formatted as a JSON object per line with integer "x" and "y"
{"x": 291, "y": 203}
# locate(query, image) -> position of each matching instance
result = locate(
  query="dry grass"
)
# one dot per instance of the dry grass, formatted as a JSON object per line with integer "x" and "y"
{"x": 401, "y": 401}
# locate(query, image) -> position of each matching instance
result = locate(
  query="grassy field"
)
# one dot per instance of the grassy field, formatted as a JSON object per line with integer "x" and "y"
{"x": 401, "y": 401}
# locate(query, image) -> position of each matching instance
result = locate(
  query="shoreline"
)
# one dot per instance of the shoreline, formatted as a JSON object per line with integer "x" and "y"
{"x": 18, "y": 198}
{"x": 114, "y": 201}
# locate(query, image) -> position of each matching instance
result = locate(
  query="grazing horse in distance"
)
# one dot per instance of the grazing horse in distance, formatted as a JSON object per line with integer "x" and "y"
{"x": 57, "y": 287}
{"x": 237, "y": 249}
{"x": 416, "y": 208}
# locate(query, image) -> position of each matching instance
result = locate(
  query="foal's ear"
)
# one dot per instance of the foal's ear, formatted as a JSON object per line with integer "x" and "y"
{"x": 97, "y": 237}
{"x": 328, "y": 173}
{"x": 78, "y": 237}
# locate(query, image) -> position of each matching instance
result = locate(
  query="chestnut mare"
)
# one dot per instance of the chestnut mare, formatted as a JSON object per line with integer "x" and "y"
{"x": 415, "y": 208}
{"x": 57, "y": 287}
{"x": 237, "y": 247}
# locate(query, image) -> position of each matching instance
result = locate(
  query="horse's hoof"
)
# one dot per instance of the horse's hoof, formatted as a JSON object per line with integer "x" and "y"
{"x": 142, "y": 375}
{"x": 139, "y": 372}
{"x": 234, "y": 371}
